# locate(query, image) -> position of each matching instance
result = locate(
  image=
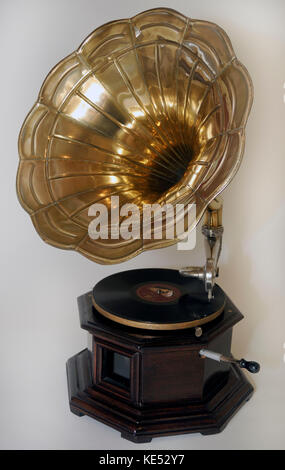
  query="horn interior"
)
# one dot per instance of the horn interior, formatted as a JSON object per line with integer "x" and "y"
{"x": 150, "y": 109}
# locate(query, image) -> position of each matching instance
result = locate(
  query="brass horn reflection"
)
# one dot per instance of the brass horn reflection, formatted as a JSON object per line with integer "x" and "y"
{"x": 151, "y": 109}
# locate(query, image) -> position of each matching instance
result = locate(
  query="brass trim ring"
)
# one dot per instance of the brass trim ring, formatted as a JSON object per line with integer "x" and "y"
{"x": 157, "y": 326}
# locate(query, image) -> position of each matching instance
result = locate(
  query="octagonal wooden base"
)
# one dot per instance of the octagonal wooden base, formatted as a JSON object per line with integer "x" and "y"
{"x": 148, "y": 384}
{"x": 142, "y": 424}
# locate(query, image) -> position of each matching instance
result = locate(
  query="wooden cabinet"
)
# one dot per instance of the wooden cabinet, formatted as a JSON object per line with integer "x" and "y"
{"x": 147, "y": 384}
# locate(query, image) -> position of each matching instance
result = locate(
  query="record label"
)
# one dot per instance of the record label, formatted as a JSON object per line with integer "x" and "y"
{"x": 158, "y": 292}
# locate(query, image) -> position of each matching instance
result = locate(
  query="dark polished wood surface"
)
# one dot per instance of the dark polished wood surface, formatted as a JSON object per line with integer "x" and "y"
{"x": 138, "y": 424}
{"x": 170, "y": 389}
{"x": 94, "y": 322}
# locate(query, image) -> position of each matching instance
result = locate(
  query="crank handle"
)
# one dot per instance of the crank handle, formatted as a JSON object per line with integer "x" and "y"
{"x": 251, "y": 366}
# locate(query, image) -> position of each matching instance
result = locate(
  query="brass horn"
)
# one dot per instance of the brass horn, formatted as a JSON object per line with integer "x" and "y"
{"x": 152, "y": 109}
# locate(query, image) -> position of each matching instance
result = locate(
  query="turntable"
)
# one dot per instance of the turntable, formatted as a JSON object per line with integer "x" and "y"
{"x": 149, "y": 112}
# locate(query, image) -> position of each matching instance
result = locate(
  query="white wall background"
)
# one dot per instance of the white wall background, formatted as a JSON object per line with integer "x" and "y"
{"x": 39, "y": 284}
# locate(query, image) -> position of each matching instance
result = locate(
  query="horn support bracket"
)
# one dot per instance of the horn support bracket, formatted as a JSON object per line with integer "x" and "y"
{"x": 213, "y": 233}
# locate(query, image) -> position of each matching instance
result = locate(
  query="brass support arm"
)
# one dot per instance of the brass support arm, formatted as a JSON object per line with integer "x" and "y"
{"x": 213, "y": 232}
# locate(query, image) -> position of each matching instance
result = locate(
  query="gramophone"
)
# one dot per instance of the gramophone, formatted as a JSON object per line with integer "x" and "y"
{"x": 148, "y": 111}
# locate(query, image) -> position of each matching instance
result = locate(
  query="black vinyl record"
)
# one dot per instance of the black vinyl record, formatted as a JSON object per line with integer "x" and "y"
{"x": 156, "y": 299}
